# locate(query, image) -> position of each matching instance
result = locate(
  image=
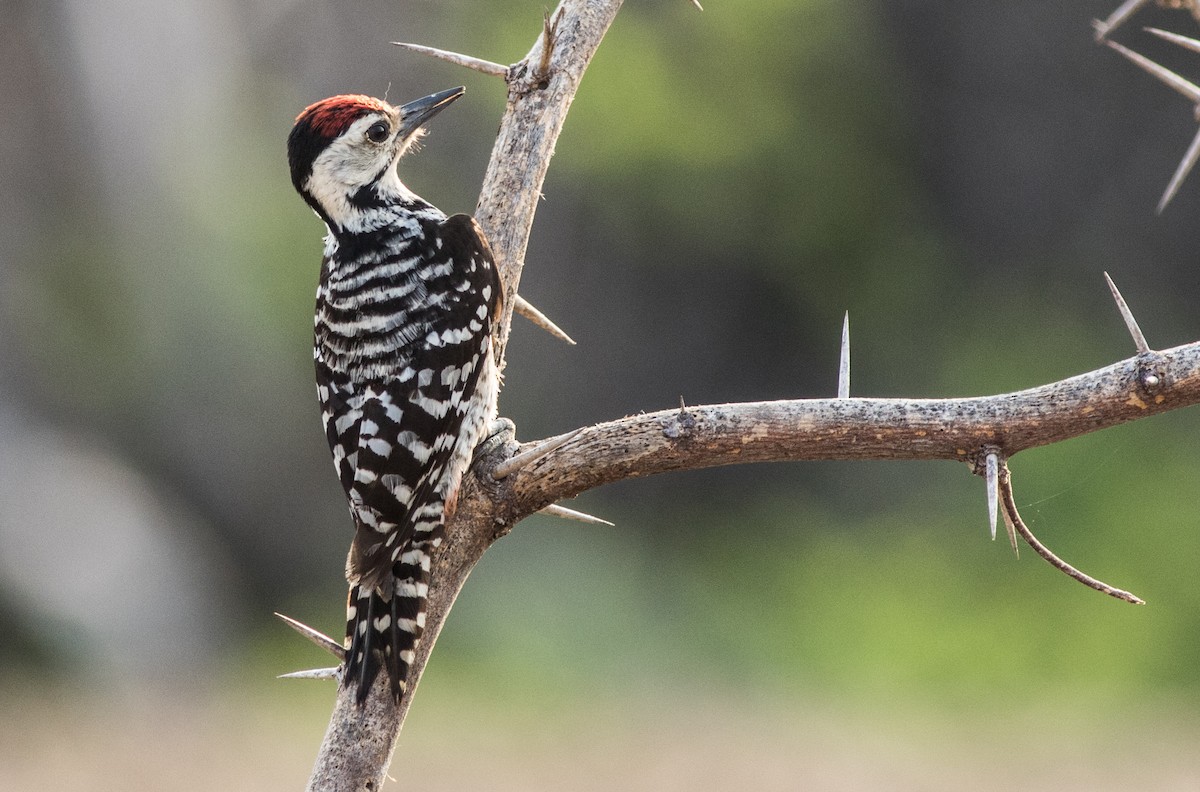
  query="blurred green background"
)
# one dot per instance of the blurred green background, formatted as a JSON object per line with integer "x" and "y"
{"x": 957, "y": 176}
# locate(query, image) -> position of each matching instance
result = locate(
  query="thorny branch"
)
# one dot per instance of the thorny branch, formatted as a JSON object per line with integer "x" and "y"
{"x": 358, "y": 744}
{"x": 359, "y": 741}
{"x": 1187, "y": 89}
{"x": 1128, "y": 8}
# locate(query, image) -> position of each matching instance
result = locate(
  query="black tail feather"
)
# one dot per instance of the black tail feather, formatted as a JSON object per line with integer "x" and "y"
{"x": 369, "y": 664}
{"x": 383, "y": 632}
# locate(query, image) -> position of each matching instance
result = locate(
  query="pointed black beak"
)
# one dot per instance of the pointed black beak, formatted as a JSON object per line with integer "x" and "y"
{"x": 414, "y": 114}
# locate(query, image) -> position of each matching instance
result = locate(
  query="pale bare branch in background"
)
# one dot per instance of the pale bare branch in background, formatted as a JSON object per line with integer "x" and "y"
{"x": 1185, "y": 88}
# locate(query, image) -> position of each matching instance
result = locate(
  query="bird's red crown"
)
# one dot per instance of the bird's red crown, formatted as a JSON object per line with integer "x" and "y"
{"x": 331, "y": 117}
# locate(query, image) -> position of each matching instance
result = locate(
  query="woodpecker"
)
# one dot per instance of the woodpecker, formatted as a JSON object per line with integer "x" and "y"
{"x": 406, "y": 372}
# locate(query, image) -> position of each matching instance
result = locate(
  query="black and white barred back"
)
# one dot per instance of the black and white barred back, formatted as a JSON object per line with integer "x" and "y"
{"x": 406, "y": 375}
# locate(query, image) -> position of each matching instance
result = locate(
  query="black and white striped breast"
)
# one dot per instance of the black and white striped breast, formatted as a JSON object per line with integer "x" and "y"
{"x": 402, "y": 335}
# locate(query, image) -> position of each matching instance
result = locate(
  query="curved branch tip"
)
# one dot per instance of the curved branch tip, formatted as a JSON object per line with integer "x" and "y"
{"x": 1010, "y": 507}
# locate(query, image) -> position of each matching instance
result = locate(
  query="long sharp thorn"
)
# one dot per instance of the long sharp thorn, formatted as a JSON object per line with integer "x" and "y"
{"x": 1175, "y": 38}
{"x": 319, "y": 638}
{"x": 528, "y": 457}
{"x": 1117, "y": 18}
{"x": 1181, "y": 173}
{"x": 844, "y": 360}
{"x": 697, "y": 4}
{"x": 991, "y": 465}
{"x": 315, "y": 673}
{"x": 523, "y": 307}
{"x": 555, "y": 510}
{"x": 1188, "y": 89}
{"x": 478, "y": 64}
{"x": 1139, "y": 340}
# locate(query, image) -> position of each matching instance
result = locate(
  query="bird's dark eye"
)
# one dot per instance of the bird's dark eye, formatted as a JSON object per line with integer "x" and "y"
{"x": 377, "y": 132}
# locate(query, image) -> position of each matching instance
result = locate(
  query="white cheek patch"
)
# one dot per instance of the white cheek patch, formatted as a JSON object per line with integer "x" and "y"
{"x": 347, "y": 164}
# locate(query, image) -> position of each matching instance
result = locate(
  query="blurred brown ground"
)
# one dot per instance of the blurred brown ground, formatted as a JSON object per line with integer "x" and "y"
{"x": 231, "y": 743}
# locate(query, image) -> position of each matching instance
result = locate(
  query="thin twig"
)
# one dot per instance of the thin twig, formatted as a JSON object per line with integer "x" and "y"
{"x": 1012, "y": 532}
{"x": 1010, "y": 506}
{"x": 477, "y": 64}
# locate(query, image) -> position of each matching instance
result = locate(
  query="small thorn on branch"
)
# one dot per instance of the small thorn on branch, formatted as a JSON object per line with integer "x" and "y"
{"x": 528, "y": 457}
{"x": 478, "y": 64}
{"x": 319, "y": 638}
{"x": 314, "y": 673}
{"x": 1010, "y": 507}
{"x": 991, "y": 467}
{"x": 843, "y": 391}
{"x": 993, "y": 460}
{"x": 524, "y": 308}
{"x": 697, "y": 4}
{"x": 1139, "y": 340}
{"x": 555, "y": 510}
